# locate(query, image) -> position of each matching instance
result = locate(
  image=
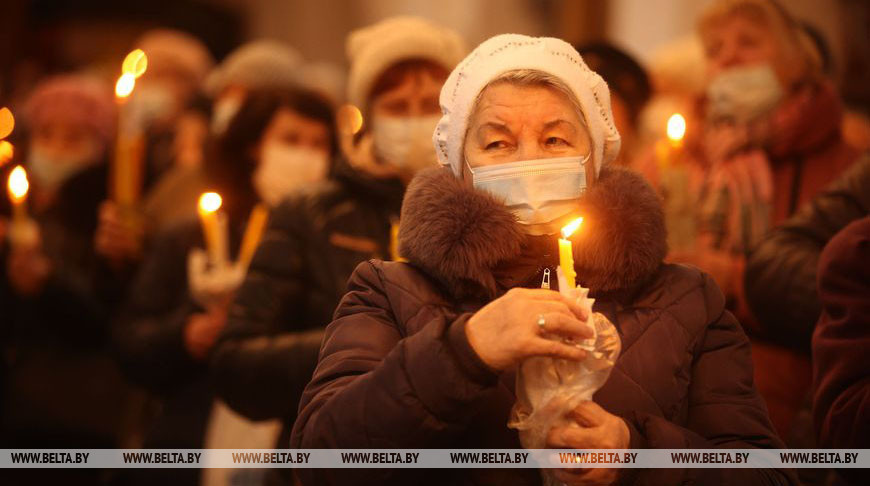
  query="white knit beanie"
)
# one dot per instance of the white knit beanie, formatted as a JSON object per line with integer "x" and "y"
{"x": 176, "y": 48}
{"x": 374, "y": 49}
{"x": 261, "y": 64}
{"x": 509, "y": 52}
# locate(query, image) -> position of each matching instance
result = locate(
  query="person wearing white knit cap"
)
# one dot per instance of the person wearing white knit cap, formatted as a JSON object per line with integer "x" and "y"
{"x": 442, "y": 351}
{"x": 178, "y": 64}
{"x": 262, "y": 64}
{"x": 397, "y": 67}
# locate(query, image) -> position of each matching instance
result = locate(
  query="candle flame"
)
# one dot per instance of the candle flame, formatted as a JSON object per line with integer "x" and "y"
{"x": 125, "y": 85}
{"x": 210, "y": 202}
{"x": 7, "y": 122}
{"x": 135, "y": 63}
{"x": 7, "y": 150}
{"x": 676, "y": 127}
{"x": 18, "y": 184}
{"x": 571, "y": 227}
{"x": 350, "y": 119}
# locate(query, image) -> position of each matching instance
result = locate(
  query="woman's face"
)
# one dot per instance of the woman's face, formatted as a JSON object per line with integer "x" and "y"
{"x": 290, "y": 128}
{"x": 416, "y": 95}
{"x": 513, "y": 123}
{"x": 738, "y": 41}
{"x": 65, "y": 142}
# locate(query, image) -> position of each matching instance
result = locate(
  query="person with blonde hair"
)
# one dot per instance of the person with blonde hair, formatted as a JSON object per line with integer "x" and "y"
{"x": 768, "y": 141}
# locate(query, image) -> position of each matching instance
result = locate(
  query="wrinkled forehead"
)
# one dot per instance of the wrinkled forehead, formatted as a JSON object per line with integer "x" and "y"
{"x": 538, "y": 102}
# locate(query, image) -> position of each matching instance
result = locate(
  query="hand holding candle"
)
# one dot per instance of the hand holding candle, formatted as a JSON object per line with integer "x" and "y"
{"x": 212, "y": 279}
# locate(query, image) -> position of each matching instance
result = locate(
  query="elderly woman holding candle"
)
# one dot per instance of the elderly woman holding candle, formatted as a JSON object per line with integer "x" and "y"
{"x": 62, "y": 387}
{"x": 422, "y": 354}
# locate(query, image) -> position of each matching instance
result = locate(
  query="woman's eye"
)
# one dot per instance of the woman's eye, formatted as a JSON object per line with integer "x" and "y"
{"x": 556, "y": 141}
{"x": 495, "y": 145}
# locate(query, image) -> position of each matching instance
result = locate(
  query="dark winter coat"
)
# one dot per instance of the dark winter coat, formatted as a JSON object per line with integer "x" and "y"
{"x": 396, "y": 370}
{"x": 842, "y": 338}
{"x": 780, "y": 276}
{"x": 268, "y": 350}
{"x": 62, "y": 388}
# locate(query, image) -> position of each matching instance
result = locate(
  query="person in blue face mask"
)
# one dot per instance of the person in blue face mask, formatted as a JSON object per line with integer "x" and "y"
{"x": 424, "y": 353}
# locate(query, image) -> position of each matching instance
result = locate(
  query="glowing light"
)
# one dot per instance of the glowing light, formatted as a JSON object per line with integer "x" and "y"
{"x": 6, "y": 152}
{"x": 135, "y": 63}
{"x": 676, "y": 127}
{"x": 571, "y": 227}
{"x": 350, "y": 119}
{"x": 210, "y": 202}
{"x": 18, "y": 184}
{"x": 125, "y": 85}
{"x": 7, "y": 122}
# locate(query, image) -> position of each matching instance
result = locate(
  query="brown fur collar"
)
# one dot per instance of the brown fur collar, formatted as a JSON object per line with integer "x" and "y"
{"x": 457, "y": 235}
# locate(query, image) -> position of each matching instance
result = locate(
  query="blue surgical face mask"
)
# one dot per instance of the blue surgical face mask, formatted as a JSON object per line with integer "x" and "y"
{"x": 538, "y": 192}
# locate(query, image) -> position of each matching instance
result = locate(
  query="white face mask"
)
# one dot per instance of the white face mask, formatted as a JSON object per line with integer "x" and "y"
{"x": 154, "y": 103}
{"x": 223, "y": 112}
{"x": 743, "y": 94}
{"x": 50, "y": 170}
{"x": 406, "y": 141}
{"x": 538, "y": 192}
{"x": 285, "y": 169}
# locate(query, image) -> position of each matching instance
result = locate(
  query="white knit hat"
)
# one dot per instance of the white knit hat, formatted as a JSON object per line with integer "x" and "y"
{"x": 374, "y": 49}
{"x": 509, "y": 52}
{"x": 179, "y": 49}
{"x": 259, "y": 64}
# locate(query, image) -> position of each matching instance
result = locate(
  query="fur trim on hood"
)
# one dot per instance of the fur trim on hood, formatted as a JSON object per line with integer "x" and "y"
{"x": 458, "y": 235}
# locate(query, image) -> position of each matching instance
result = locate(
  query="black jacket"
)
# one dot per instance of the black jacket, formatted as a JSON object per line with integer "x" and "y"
{"x": 61, "y": 386}
{"x": 312, "y": 244}
{"x": 780, "y": 277}
{"x": 397, "y": 371}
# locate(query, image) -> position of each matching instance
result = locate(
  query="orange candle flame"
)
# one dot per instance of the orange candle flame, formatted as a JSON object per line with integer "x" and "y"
{"x": 571, "y": 227}
{"x": 17, "y": 184}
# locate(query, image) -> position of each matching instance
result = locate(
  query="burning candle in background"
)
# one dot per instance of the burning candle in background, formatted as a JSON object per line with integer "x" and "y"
{"x": 668, "y": 151}
{"x": 566, "y": 253}
{"x": 17, "y": 187}
{"x": 7, "y": 124}
{"x": 129, "y": 149}
{"x": 676, "y": 129}
{"x": 253, "y": 233}
{"x": 214, "y": 228}
{"x": 7, "y": 151}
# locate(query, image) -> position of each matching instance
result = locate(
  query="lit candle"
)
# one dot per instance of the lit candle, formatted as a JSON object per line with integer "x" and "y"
{"x": 7, "y": 122}
{"x": 253, "y": 232}
{"x": 394, "y": 242}
{"x": 130, "y": 145}
{"x": 17, "y": 187}
{"x": 7, "y": 151}
{"x": 214, "y": 228}
{"x": 668, "y": 152}
{"x": 566, "y": 253}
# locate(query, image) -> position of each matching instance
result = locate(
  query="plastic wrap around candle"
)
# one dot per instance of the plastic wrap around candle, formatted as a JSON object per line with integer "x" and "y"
{"x": 548, "y": 389}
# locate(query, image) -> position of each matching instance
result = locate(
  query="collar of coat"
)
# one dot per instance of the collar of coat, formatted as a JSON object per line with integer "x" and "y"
{"x": 458, "y": 235}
